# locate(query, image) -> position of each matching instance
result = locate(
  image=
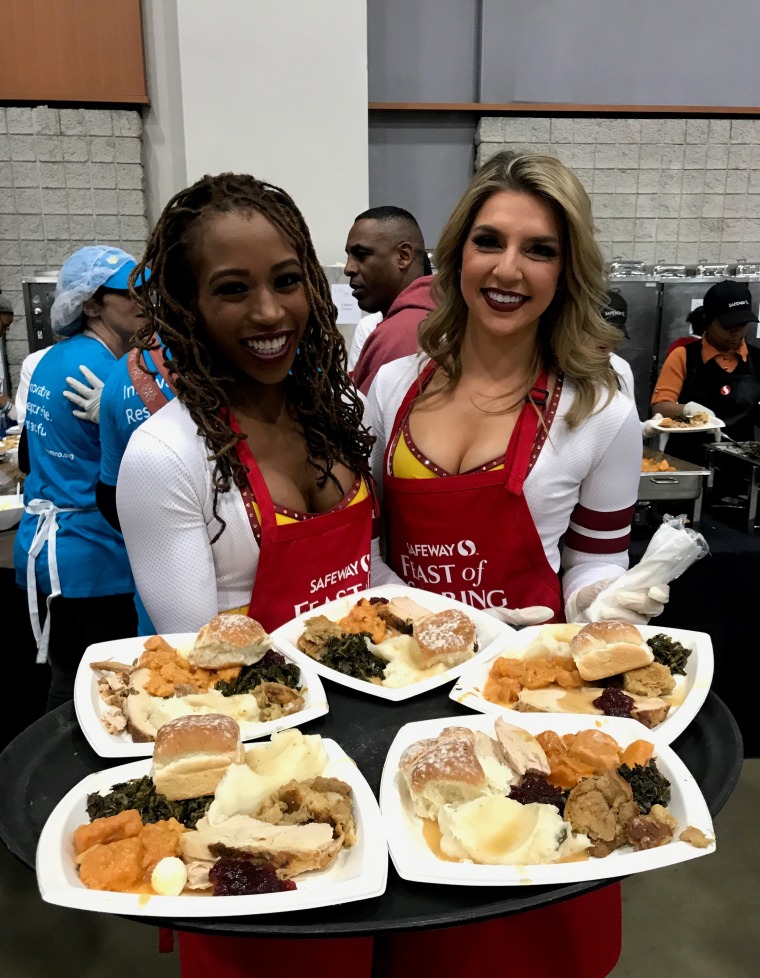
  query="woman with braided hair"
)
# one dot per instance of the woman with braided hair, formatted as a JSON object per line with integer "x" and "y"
{"x": 250, "y": 490}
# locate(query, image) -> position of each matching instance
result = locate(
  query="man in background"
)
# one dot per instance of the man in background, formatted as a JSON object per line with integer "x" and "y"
{"x": 389, "y": 274}
{"x": 616, "y": 314}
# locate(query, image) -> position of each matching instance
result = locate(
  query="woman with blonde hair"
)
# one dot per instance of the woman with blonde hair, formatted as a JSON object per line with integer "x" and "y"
{"x": 505, "y": 455}
{"x": 505, "y": 445}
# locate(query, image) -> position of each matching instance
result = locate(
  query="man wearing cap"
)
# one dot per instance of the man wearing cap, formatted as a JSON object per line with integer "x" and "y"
{"x": 616, "y": 314}
{"x": 68, "y": 559}
{"x": 720, "y": 372}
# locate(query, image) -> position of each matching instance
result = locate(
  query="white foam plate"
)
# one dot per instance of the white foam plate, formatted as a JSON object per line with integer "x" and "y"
{"x": 90, "y": 707}
{"x": 358, "y": 873}
{"x": 492, "y": 636}
{"x": 689, "y": 694}
{"x": 414, "y": 860}
{"x": 712, "y": 425}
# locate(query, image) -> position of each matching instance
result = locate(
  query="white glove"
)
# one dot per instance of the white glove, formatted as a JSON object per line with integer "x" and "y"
{"x": 691, "y": 408}
{"x": 635, "y": 606}
{"x": 582, "y": 599}
{"x": 534, "y": 615}
{"x": 647, "y": 427}
{"x": 646, "y": 604}
{"x": 87, "y": 398}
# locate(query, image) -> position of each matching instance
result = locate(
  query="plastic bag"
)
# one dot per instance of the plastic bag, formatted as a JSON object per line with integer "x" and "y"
{"x": 674, "y": 547}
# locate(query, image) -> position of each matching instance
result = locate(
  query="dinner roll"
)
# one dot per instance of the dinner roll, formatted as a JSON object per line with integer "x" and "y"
{"x": 453, "y": 768}
{"x": 193, "y": 752}
{"x": 229, "y": 640}
{"x": 605, "y": 648}
{"x": 446, "y": 636}
{"x": 444, "y": 771}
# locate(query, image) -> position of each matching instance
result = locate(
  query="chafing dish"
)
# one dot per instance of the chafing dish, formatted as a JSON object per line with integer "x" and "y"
{"x": 623, "y": 268}
{"x": 706, "y": 269}
{"x": 666, "y": 270}
{"x": 686, "y": 481}
{"x": 747, "y": 269}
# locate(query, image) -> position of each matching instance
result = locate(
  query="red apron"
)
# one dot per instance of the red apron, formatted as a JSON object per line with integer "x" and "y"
{"x": 145, "y": 386}
{"x": 301, "y": 565}
{"x": 307, "y": 562}
{"x": 471, "y": 536}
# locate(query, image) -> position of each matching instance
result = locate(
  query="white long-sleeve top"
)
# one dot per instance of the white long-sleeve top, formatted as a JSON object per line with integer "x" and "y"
{"x": 584, "y": 478}
{"x": 625, "y": 375}
{"x": 164, "y": 496}
{"x": 27, "y": 369}
{"x": 363, "y": 329}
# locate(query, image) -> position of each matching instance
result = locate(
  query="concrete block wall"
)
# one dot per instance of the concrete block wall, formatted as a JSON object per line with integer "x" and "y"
{"x": 673, "y": 190}
{"x": 68, "y": 178}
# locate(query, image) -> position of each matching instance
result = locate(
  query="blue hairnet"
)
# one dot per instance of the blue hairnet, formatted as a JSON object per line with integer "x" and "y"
{"x": 81, "y": 276}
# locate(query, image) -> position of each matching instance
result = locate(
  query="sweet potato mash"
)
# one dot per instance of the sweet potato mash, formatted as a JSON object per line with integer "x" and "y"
{"x": 119, "y": 853}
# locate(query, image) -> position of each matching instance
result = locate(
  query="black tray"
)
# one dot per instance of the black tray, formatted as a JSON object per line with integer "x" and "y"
{"x": 52, "y": 755}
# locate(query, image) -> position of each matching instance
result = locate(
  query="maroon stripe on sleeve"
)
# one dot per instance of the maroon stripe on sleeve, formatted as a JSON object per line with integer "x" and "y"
{"x": 596, "y": 545}
{"x": 592, "y": 519}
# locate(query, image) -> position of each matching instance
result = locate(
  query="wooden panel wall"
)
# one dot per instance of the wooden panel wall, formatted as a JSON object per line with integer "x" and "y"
{"x": 72, "y": 51}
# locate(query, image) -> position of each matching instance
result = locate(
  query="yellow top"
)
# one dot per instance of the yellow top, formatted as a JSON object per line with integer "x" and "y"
{"x": 406, "y": 465}
{"x": 282, "y": 517}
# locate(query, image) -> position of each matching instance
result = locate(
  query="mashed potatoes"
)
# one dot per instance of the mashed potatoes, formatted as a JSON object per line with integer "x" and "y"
{"x": 552, "y": 640}
{"x": 400, "y": 652}
{"x": 156, "y": 710}
{"x": 289, "y": 755}
{"x": 499, "y": 831}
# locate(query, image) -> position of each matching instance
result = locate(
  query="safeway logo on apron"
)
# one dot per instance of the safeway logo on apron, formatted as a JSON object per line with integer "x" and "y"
{"x": 497, "y": 559}
{"x": 356, "y": 571}
{"x": 440, "y": 564}
{"x": 725, "y": 390}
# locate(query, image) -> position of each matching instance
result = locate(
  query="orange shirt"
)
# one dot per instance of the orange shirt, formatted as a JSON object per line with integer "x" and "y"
{"x": 673, "y": 372}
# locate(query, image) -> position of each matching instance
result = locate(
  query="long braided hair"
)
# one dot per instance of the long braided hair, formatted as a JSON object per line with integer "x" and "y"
{"x": 319, "y": 392}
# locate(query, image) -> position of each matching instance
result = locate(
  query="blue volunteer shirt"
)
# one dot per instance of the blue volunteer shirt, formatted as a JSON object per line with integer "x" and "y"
{"x": 64, "y": 454}
{"x": 122, "y": 411}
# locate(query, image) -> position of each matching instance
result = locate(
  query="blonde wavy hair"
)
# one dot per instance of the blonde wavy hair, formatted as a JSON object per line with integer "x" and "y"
{"x": 572, "y": 327}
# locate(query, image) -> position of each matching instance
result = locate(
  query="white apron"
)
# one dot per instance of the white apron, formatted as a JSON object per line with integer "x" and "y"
{"x": 47, "y": 528}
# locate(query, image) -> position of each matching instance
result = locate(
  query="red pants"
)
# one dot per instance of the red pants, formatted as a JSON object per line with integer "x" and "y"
{"x": 580, "y": 938}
